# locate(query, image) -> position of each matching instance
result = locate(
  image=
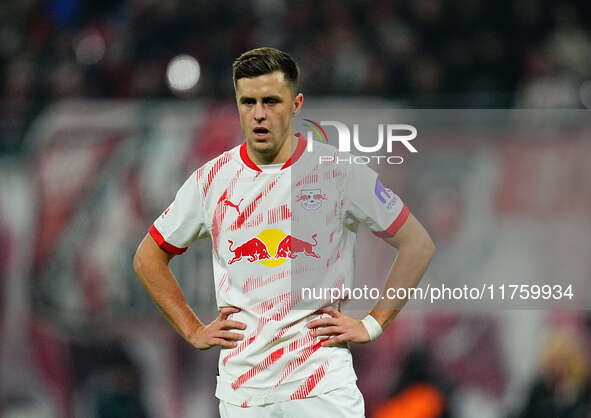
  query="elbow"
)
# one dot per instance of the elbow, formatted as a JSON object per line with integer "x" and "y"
{"x": 428, "y": 248}
{"x": 420, "y": 246}
{"x": 432, "y": 248}
{"x": 138, "y": 263}
{"x": 430, "y": 245}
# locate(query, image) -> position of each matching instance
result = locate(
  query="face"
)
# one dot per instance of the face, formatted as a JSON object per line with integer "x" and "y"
{"x": 267, "y": 105}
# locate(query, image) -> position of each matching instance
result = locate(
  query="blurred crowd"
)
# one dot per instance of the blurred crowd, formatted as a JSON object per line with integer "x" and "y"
{"x": 424, "y": 53}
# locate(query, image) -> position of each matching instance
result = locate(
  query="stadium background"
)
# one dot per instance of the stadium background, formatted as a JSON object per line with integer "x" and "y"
{"x": 95, "y": 140}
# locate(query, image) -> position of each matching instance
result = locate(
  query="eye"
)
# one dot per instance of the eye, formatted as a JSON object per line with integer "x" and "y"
{"x": 248, "y": 101}
{"x": 271, "y": 100}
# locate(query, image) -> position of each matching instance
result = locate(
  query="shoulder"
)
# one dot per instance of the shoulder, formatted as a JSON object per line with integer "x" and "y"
{"x": 228, "y": 160}
{"x": 338, "y": 164}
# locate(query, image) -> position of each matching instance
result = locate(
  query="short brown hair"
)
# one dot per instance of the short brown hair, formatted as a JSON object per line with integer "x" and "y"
{"x": 266, "y": 60}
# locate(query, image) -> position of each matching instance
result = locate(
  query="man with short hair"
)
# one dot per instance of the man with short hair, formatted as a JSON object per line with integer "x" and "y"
{"x": 280, "y": 222}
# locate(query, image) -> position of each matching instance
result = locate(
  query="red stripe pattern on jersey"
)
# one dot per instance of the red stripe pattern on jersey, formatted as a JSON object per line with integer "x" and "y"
{"x": 266, "y": 305}
{"x": 220, "y": 209}
{"x": 270, "y": 359}
{"x": 254, "y": 222}
{"x": 199, "y": 173}
{"x": 249, "y": 210}
{"x": 279, "y": 214}
{"x": 281, "y": 333}
{"x": 261, "y": 308}
{"x": 332, "y": 215}
{"x": 255, "y": 282}
{"x": 311, "y": 178}
{"x": 310, "y": 383}
{"x": 242, "y": 346}
{"x": 334, "y": 173}
{"x": 331, "y": 261}
{"x": 222, "y": 281}
{"x": 215, "y": 168}
{"x": 301, "y": 358}
{"x": 276, "y": 355}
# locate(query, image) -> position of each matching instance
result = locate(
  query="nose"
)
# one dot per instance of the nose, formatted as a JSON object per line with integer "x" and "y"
{"x": 259, "y": 112}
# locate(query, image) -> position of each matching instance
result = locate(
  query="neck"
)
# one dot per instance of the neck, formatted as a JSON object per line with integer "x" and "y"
{"x": 279, "y": 158}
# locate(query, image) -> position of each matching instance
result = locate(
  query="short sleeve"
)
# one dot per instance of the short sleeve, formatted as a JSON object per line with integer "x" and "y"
{"x": 369, "y": 202}
{"x": 183, "y": 221}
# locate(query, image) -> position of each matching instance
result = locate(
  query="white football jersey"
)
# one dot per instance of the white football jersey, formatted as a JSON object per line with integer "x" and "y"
{"x": 276, "y": 230}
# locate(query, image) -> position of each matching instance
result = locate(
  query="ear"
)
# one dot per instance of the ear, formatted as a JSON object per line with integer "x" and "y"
{"x": 298, "y": 101}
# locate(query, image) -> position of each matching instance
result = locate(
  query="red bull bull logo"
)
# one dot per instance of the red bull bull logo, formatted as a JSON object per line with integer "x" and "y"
{"x": 305, "y": 197}
{"x": 254, "y": 249}
{"x": 291, "y": 246}
{"x": 272, "y": 247}
{"x": 311, "y": 199}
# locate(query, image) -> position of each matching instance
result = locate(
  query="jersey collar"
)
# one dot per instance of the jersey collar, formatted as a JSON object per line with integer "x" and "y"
{"x": 300, "y": 148}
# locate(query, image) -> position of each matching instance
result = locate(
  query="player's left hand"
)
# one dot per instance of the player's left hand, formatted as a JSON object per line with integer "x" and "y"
{"x": 339, "y": 327}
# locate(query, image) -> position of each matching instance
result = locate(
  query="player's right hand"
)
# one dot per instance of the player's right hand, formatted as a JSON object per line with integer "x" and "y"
{"x": 216, "y": 333}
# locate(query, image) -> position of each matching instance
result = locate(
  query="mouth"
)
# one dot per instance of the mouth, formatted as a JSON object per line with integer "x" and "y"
{"x": 260, "y": 132}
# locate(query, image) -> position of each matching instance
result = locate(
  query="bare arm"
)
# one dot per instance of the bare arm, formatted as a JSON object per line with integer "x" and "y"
{"x": 151, "y": 266}
{"x": 415, "y": 250}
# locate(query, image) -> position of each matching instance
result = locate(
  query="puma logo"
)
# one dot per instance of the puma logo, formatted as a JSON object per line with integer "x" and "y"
{"x": 235, "y": 206}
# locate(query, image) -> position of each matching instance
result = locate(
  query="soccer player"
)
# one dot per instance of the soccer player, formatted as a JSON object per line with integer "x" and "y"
{"x": 280, "y": 221}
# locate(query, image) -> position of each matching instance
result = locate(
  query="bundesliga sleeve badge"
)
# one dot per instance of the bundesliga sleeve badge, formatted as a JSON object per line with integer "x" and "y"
{"x": 386, "y": 196}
